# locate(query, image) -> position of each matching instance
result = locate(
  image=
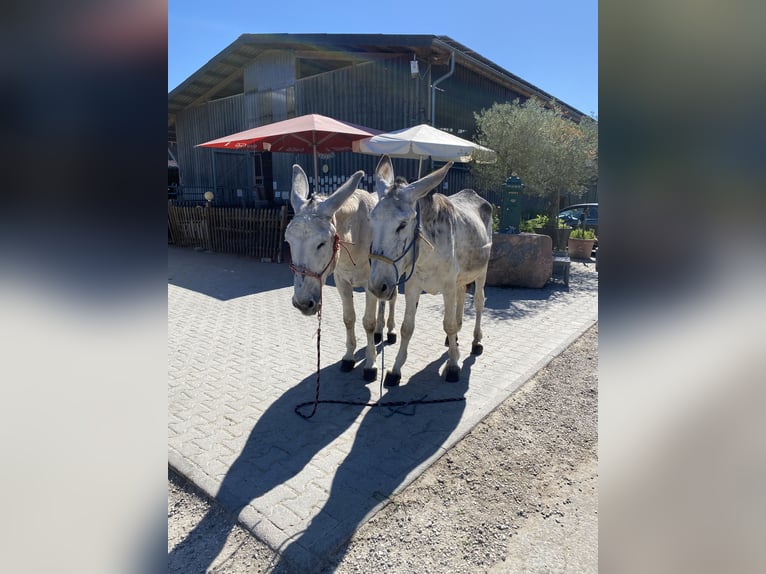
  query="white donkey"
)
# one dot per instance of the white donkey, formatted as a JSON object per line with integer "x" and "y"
{"x": 439, "y": 244}
{"x": 332, "y": 235}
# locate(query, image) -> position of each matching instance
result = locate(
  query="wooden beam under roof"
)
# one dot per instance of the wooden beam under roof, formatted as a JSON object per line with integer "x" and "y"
{"x": 217, "y": 87}
{"x": 343, "y": 55}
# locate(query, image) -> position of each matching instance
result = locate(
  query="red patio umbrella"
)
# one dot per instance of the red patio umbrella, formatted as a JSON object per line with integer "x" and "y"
{"x": 312, "y": 133}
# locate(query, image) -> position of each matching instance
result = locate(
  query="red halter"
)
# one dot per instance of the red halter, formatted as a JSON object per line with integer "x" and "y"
{"x": 318, "y": 276}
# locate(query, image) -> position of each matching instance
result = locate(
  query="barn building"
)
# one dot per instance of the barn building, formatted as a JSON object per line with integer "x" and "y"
{"x": 383, "y": 81}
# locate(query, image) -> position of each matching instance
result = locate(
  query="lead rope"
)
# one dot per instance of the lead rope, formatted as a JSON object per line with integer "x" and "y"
{"x": 336, "y": 243}
{"x": 394, "y": 406}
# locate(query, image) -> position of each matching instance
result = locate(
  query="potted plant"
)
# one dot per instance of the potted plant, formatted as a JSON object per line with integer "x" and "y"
{"x": 580, "y": 244}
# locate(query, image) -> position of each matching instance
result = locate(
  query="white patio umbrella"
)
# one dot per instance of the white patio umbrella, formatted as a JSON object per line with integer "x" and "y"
{"x": 423, "y": 141}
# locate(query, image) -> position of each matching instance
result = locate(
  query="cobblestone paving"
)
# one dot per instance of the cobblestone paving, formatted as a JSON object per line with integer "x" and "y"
{"x": 241, "y": 358}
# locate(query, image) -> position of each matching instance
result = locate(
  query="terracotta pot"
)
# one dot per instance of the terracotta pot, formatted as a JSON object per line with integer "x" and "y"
{"x": 580, "y": 248}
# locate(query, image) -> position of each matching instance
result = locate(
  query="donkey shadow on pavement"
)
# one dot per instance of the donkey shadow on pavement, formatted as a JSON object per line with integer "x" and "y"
{"x": 389, "y": 444}
{"x": 277, "y": 449}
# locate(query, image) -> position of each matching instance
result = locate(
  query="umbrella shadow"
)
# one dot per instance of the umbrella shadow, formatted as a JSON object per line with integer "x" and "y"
{"x": 389, "y": 445}
{"x": 277, "y": 449}
{"x": 223, "y": 276}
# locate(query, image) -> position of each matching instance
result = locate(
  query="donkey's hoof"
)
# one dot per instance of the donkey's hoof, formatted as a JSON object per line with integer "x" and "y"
{"x": 446, "y": 341}
{"x": 392, "y": 380}
{"x": 391, "y": 338}
{"x": 477, "y": 349}
{"x": 377, "y": 337}
{"x": 370, "y": 374}
{"x": 346, "y": 366}
{"x": 453, "y": 374}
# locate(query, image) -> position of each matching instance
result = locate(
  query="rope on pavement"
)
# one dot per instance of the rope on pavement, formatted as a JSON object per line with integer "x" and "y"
{"x": 395, "y": 406}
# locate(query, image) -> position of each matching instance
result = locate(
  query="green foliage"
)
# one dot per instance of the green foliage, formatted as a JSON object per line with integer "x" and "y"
{"x": 581, "y": 233}
{"x": 550, "y": 153}
{"x": 539, "y": 220}
{"x": 526, "y": 227}
{"x": 496, "y": 218}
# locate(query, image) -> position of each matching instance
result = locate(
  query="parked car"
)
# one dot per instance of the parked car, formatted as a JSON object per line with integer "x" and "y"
{"x": 581, "y": 213}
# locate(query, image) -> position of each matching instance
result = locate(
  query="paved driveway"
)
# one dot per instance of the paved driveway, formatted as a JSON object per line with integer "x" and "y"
{"x": 241, "y": 358}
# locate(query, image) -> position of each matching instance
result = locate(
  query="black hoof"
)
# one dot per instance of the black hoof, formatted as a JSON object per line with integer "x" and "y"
{"x": 392, "y": 380}
{"x": 453, "y": 374}
{"x": 446, "y": 341}
{"x": 370, "y": 374}
{"x": 377, "y": 337}
{"x": 391, "y": 338}
{"x": 477, "y": 349}
{"x": 346, "y": 366}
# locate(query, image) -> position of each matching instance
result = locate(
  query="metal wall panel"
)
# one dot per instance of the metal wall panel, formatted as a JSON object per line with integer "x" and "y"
{"x": 271, "y": 70}
{"x": 195, "y": 165}
{"x": 380, "y": 94}
{"x": 269, "y": 88}
{"x": 200, "y": 124}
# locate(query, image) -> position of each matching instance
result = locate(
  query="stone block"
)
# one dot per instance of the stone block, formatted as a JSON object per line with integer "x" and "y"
{"x": 520, "y": 260}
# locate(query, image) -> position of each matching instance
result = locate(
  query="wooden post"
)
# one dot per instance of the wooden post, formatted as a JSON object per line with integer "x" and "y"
{"x": 208, "y": 236}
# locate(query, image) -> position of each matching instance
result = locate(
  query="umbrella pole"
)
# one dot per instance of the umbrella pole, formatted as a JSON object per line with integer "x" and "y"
{"x": 420, "y": 163}
{"x": 316, "y": 163}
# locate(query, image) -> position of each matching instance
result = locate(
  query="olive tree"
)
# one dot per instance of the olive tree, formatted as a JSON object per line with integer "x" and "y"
{"x": 550, "y": 153}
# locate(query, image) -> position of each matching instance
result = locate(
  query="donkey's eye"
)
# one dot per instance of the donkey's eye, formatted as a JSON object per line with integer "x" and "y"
{"x": 320, "y": 245}
{"x": 401, "y": 226}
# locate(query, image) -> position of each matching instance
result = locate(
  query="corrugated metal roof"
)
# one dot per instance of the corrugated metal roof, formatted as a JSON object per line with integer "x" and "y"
{"x": 223, "y": 75}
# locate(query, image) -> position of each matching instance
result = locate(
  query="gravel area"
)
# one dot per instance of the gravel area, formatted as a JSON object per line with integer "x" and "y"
{"x": 517, "y": 494}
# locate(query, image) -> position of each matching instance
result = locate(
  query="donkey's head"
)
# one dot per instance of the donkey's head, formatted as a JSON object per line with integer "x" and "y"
{"x": 312, "y": 238}
{"x": 395, "y": 225}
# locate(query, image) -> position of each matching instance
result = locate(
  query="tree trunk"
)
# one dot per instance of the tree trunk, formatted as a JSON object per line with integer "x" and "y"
{"x": 553, "y": 218}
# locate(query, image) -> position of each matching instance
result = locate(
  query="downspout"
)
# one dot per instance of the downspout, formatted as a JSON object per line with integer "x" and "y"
{"x": 433, "y": 97}
{"x": 438, "y": 81}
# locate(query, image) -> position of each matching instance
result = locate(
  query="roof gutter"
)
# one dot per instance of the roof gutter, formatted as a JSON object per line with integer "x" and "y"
{"x": 438, "y": 81}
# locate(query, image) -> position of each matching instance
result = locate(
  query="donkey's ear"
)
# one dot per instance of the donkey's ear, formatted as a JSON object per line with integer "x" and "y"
{"x": 384, "y": 176}
{"x": 340, "y": 195}
{"x": 421, "y": 187}
{"x": 300, "y": 190}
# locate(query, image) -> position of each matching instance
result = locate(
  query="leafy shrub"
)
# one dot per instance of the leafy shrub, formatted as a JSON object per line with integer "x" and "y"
{"x": 496, "y": 218}
{"x": 539, "y": 220}
{"x": 580, "y": 233}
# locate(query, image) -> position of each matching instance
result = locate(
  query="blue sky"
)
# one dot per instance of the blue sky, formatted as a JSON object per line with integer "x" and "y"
{"x": 553, "y": 44}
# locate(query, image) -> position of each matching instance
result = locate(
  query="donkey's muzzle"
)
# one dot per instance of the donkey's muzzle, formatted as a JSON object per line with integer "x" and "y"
{"x": 306, "y": 306}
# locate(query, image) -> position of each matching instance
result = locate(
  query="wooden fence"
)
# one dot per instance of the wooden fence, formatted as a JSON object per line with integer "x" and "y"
{"x": 242, "y": 231}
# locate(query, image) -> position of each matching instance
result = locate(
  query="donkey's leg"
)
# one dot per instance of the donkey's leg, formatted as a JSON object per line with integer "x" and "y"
{"x": 380, "y": 320}
{"x": 391, "y": 322}
{"x": 478, "y": 305}
{"x": 450, "y": 295}
{"x": 369, "y": 322}
{"x": 460, "y": 307}
{"x": 349, "y": 319}
{"x": 411, "y": 298}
